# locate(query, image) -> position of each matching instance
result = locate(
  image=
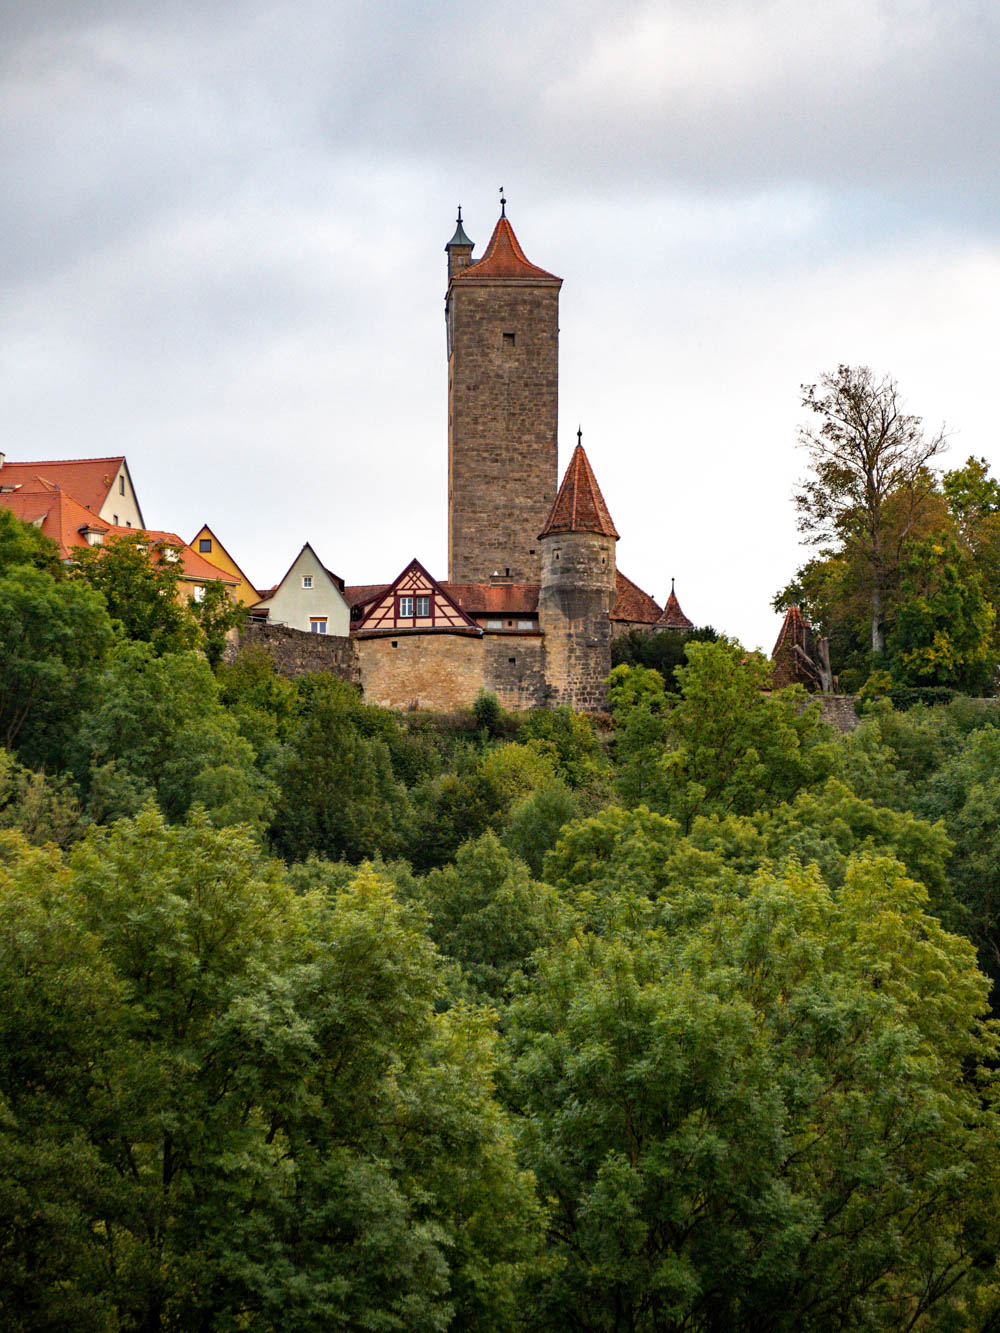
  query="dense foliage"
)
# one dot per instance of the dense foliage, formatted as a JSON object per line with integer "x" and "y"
{"x": 320, "y": 1016}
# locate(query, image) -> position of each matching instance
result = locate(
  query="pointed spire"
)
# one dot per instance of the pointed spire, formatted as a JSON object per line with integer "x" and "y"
{"x": 579, "y": 506}
{"x": 460, "y": 237}
{"x": 673, "y": 617}
{"x": 504, "y": 260}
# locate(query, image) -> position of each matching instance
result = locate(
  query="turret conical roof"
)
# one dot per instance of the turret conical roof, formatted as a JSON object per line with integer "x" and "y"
{"x": 673, "y": 617}
{"x": 504, "y": 260}
{"x": 579, "y": 506}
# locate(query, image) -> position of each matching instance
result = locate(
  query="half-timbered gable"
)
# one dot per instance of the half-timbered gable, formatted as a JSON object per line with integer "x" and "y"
{"x": 414, "y": 602}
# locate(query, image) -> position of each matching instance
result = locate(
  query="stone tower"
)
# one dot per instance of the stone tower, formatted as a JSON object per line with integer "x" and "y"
{"x": 577, "y": 588}
{"x": 503, "y": 397}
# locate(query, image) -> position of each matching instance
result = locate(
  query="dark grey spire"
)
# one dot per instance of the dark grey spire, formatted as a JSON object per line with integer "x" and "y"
{"x": 460, "y": 237}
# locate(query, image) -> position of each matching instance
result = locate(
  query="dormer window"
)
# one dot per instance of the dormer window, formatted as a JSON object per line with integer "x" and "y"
{"x": 307, "y": 580}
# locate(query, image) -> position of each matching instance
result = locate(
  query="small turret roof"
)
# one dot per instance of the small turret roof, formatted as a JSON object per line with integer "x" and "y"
{"x": 579, "y": 506}
{"x": 460, "y": 237}
{"x": 673, "y": 617}
{"x": 794, "y": 630}
{"x": 503, "y": 260}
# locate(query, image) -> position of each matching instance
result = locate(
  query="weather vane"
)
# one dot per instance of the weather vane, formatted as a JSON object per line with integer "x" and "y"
{"x": 503, "y": 204}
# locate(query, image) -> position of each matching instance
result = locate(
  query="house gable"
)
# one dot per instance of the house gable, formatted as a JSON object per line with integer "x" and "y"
{"x": 208, "y": 546}
{"x": 413, "y": 603}
{"x": 309, "y": 598}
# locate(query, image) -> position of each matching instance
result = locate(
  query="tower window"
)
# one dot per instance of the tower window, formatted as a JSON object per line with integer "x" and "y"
{"x": 512, "y": 660}
{"x": 508, "y": 340}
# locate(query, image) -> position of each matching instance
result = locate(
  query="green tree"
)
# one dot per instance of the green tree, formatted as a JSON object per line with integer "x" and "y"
{"x": 869, "y": 481}
{"x": 663, "y": 650}
{"x": 53, "y": 635}
{"x": 225, "y": 1105}
{"x": 159, "y": 729}
{"x": 24, "y": 544}
{"x": 43, "y": 809}
{"x": 216, "y": 614}
{"x": 138, "y": 579}
{"x": 944, "y": 630}
{"x": 767, "y": 1117}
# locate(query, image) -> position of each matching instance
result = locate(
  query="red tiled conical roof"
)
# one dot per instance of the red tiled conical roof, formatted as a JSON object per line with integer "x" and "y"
{"x": 579, "y": 506}
{"x": 673, "y": 617}
{"x": 504, "y": 259}
{"x": 794, "y": 630}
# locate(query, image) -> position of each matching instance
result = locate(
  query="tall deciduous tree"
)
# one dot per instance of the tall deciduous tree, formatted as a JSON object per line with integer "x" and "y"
{"x": 870, "y": 478}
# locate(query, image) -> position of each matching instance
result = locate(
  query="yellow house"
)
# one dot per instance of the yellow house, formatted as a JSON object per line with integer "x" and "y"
{"x": 211, "y": 549}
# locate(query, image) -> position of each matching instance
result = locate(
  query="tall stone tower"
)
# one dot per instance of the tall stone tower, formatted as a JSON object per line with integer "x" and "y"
{"x": 503, "y": 397}
{"x": 577, "y": 588}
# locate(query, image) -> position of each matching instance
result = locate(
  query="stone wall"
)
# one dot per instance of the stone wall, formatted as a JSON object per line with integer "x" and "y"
{"x": 514, "y": 669}
{"x": 577, "y": 588}
{"x": 439, "y": 671}
{"x": 297, "y": 652}
{"x": 839, "y": 711}
{"x": 503, "y": 398}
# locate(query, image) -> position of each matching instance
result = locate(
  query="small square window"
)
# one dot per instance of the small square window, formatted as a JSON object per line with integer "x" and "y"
{"x": 512, "y": 660}
{"x": 423, "y": 607}
{"x": 307, "y": 580}
{"x": 508, "y": 340}
{"x": 205, "y": 544}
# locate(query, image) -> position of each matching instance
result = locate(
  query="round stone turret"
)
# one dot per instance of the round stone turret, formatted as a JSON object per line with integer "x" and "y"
{"x": 577, "y": 589}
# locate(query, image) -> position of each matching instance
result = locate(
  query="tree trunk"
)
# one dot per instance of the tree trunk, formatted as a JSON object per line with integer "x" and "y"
{"x": 878, "y": 628}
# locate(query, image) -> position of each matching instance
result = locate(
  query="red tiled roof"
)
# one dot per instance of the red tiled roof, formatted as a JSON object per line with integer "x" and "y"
{"x": 495, "y": 598}
{"x": 632, "y": 604}
{"x": 193, "y": 566}
{"x": 57, "y": 514}
{"x": 88, "y": 480}
{"x": 363, "y": 592}
{"x": 673, "y": 617}
{"x": 579, "y": 506}
{"x": 502, "y": 260}
{"x": 793, "y": 630}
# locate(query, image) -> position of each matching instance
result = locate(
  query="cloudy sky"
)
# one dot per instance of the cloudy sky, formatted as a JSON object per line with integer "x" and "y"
{"x": 222, "y": 254}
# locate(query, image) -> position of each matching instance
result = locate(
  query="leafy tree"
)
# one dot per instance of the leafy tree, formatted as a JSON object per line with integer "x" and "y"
{"x": 944, "y": 625}
{"x": 487, "y": 913}
{"x": 43, "y": 809}
{"x": 869, "y": 482}
{"x": 216, "y": 614}
{"x": 569, "y": 739}
{"x": 534, "y": 823}
{"x": 24, "y": 544}
{"x": 768, "y": 1117}
{"x": 225, "y": 1105}
{"x": 338, "y": 794}
{"x": 53, "y": 634}
{"x": 159, "y": 728}
{"x": 662, "y": 650}
{"x": 139, "y": 581}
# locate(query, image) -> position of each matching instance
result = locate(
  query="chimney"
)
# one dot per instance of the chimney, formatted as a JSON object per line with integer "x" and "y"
{"x": 2, "y": 457}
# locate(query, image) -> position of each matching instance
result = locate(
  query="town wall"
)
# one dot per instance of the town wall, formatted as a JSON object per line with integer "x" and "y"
{"x": 443, "y": 672}
{"x": 514, "y": 669}
{"x": 297, "y": 652}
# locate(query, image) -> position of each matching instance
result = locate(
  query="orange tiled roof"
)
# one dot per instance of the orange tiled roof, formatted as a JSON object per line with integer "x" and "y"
{"x": 57, "y": 514}
{"x": 502, "y": 260}
{"x": 363, "y": 592}
{"x": 495, "y": 598}
{"x": 632, "y": 604}
{"x": 88, "y": 480}
{"x": 579, "y": 506}
{"x": 673, "y": 617}
{"x": 193, "y": 566}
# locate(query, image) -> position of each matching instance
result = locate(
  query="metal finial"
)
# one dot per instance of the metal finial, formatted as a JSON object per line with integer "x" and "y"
{"x": 460, "y": 214}
{"x": 579, "y": 437}
{"x": 671, "y": 586}
{"x": 503, "y": 204}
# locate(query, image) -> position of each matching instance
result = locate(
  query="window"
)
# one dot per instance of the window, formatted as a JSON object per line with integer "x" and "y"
{"x": 205, "y": 544}
{"x": 423, "y": 607}
{"x": 406, "y": 607}
{"x": 494, "y": 624}
{"x": 508, "y": 340}
{"x": 317, "y": 624}
{"x": 307, "y": 580}
{"x": 199, "y": 593}
{"x": 114, "y": 519}
{"x": 121, "y": 484}
{"x": 525, "y": 624}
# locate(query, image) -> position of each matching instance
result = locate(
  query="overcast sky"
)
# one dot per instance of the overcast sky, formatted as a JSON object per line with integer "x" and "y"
{"x": 223, "y": 229}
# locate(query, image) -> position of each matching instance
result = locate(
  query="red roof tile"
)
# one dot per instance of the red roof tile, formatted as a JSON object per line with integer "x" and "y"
{"x": 632, "y": 604}
{"x": 504, "y": 260}
{"x": 363, "y": 592}
{"x": 673, "y": 617}
{"x": 579, "y": 506}
{"x": 495, "y": 598}
{"x": 57, "y": 514}
{"x": 88, "y": 480}
{"x": 794, "y": 630}
{"x": 194, "y": 567}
